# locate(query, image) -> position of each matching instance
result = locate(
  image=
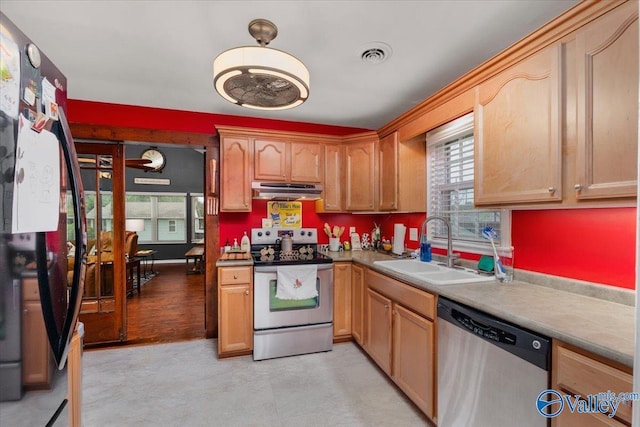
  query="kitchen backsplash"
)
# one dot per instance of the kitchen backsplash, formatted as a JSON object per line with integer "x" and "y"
{"x": 233, "y": 225}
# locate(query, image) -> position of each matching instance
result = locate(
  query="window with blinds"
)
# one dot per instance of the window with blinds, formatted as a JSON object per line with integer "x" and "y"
{"x": 450, "y": 174}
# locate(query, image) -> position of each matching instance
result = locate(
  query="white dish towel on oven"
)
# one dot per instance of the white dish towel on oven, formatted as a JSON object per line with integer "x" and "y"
{"x": 297, "y": 282}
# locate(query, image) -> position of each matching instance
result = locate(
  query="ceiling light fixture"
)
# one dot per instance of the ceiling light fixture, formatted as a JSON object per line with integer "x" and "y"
{"x": 260, "y": 77}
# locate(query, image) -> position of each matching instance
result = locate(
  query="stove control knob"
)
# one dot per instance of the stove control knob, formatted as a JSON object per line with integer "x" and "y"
{"x": 309, "y": 233}
{"x": 302, "y": 233}
{"x": 268, "y": 233}
{"x": 259, "y": 233}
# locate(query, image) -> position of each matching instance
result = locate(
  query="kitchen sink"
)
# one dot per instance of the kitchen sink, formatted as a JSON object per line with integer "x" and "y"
{"x": 434, "y": 273}
{"x": 409, "y": 266}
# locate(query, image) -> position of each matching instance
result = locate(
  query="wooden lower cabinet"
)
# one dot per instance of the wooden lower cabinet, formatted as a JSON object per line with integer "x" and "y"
{"x": 379, "y": 329}
{"x": 235, "y": 311}
{"x": 357, "y": 304}
{"x": 37, "y": 360}
{"x": 342, "y": 301}
{"x": 413, "y": 357}
{"x": 400, "y": 337}
{"x": 578, "y": 372}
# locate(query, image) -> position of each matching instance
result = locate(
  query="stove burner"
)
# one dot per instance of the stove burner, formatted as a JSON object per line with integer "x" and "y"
{"x": 267, "y": 251}
{"x": 289, "y": 256}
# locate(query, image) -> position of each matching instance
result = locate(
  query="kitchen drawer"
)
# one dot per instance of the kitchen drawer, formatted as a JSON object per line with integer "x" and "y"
{"x": 419, "y": 301}
{"x": 567, "y": 419}
{"x": 581, "y": 374}
{"x": 233, "y": 275}
{"x": 30, "y": 290}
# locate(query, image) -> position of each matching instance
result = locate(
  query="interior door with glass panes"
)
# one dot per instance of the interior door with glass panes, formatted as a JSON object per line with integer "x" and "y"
{"x": 103, "y": 309}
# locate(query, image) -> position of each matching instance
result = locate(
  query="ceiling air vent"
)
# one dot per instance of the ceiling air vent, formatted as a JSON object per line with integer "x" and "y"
{"x": 375, "y": 52}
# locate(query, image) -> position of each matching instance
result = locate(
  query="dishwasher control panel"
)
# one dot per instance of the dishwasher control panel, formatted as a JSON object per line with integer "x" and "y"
{"x": 526, "y": 344}
{"x": 490, "y": 332}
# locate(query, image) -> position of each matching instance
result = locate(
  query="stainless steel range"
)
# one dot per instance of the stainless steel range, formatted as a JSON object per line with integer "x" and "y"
{"x": 293, "y": 293}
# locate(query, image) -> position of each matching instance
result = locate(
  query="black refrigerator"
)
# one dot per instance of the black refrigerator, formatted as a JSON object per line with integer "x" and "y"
{"x": 42, "y": 223}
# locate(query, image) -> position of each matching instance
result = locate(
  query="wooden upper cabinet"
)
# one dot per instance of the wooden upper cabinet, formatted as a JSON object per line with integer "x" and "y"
{"x": 306, "y": 162}
{"x": 360, "y": 175}
{"x": 607, "y": 67}
{"x": 518, "y": 132}
{"x": 388, "y": 175}
{"x": 402, "y": 178}
{"x": 287, "y": 161}
{"x": 235, "y": 171}
{"x": 270, "y": 160}
{"x": 332, "y": 188}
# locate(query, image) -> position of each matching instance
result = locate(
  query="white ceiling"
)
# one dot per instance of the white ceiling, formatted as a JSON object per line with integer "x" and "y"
{"x": 160, "y": 53}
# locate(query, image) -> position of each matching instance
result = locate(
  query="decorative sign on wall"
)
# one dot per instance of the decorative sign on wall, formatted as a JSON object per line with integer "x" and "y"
{"x": 152, "y": 181}
{"x": 285, "y": 214}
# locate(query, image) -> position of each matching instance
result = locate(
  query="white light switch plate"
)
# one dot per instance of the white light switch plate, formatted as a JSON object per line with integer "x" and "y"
{"x": 413, "y": 234}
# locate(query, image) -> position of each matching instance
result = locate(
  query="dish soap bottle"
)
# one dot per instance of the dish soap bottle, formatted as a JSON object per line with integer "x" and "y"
{"x": 245, "y": 244}
{"x": 425, "y": 250}
{"x": 235, "y": 246}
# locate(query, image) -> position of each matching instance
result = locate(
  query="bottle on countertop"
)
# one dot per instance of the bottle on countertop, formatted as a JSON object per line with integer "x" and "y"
{"x": 425, "y": 250}
{"x": 227, "y": 246}
{"x": 235, "y": 246}
{"x": 245, "y": 243}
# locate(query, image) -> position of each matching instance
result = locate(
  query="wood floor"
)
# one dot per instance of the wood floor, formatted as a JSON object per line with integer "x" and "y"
{"x": 170, "y": 308}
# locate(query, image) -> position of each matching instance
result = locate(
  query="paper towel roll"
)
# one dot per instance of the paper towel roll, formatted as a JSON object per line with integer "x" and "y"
{"x": 399, "y": 230}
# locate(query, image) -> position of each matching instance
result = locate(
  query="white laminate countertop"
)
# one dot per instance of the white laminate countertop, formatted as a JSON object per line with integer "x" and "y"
{"x": 603, "y": 327}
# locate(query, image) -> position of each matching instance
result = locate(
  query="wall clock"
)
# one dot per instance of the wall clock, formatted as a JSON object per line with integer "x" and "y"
{"x": 157, "y": 157}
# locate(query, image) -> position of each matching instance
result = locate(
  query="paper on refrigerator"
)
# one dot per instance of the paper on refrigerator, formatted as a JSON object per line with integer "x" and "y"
{"x": 36, "y": 187}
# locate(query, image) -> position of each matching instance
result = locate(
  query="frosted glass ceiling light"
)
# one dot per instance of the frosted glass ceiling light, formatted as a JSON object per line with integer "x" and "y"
{"x": 260, "y": 77}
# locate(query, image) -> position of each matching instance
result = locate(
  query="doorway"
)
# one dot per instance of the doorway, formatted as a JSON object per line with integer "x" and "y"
{"x": 207, "y": 142}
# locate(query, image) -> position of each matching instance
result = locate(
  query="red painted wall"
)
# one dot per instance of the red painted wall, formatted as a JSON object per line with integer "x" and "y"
{"x": 233, "y": 225}
{"x": 99, "y": 113}
{"x": 596, "y": 245}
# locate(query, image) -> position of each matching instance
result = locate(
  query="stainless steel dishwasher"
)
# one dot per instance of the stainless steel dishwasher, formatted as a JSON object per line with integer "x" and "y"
{"x": 490, "y": 372}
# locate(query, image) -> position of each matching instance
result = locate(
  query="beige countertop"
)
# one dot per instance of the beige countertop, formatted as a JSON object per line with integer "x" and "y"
{"x": 603, "y": 327}
{"x": 234, "y": 263}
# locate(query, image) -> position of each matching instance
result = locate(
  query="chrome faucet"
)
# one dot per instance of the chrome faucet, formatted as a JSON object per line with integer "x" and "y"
{"x": 451, "y": 257}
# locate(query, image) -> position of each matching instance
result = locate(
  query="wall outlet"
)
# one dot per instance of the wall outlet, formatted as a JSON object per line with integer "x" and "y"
{"x": 352, "y": 230}
{"x": 413, "y": 234}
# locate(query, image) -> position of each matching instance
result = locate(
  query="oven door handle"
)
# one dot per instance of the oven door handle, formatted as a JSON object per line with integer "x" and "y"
{"x": 274, "y": 268}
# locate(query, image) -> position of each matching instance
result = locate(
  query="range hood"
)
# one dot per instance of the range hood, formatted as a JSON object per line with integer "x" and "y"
{"x": 286, "y": 191}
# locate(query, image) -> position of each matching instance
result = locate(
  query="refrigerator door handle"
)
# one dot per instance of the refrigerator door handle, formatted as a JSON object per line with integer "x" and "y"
{"x": 60, "y": 339}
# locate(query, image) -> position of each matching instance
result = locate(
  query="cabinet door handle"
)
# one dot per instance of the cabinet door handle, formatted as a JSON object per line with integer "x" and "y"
{"x": 235, "y": 277}
{"x": 577, "y": 187}
{"x": 551, "y": 190}
{"x": 386, "y": 307}
{"x": 246, "y": 292}
{"x": 394, "y": 312}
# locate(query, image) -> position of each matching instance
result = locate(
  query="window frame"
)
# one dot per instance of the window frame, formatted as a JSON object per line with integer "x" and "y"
{"x": 153, "y": 220}
{"x": 195, "y": 219}
{"x": 443, "y": 134}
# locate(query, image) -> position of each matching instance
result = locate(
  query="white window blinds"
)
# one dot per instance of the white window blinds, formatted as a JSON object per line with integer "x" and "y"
{"x": 451, "y": 168}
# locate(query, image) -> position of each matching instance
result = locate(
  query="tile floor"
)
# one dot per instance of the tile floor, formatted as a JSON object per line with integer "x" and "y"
{"x": 184, "y": 384}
